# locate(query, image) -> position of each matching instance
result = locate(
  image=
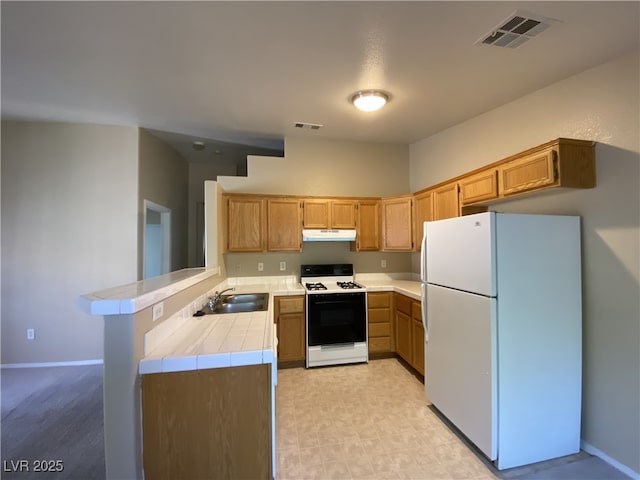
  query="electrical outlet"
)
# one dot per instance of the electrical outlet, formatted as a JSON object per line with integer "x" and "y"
{"x": 383, "y": 263}
{"x": 260, "y": 266}
{"x": 31, "y": 333}
{"x": 157, "y": 311}
{"x": 283, "y": 266}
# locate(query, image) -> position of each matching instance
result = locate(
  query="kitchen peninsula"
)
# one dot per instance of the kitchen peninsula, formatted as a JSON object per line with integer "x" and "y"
{"x": 154, "y": 343}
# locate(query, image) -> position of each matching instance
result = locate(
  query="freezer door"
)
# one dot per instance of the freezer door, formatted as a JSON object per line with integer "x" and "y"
{"x": 461, "y": 253}
{"x": 460, "y": 363}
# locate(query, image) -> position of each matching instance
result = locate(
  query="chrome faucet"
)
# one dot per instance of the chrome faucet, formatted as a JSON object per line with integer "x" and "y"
{"x": 217, "y": 296}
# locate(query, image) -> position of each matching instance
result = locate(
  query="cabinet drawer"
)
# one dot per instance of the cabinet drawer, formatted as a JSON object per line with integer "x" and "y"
{"x": 291, "y": 304}
{"x": 379, "y": 299}
{"x": 379, "y": 330}
{"x": 379, "y": 315}
{"x": 379, "y": 344}
{"x": 403, "y": 304}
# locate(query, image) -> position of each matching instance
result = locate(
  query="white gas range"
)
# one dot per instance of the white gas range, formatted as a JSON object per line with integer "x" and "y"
{"x": 336, "y": 315}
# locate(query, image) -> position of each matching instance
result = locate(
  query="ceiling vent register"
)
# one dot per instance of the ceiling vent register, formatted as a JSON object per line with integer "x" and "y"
{"x": 310, "y": 126}
{"x": 515, "y": 30}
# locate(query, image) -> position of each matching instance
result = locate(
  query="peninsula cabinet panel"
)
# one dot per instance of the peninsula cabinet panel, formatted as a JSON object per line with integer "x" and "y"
{"x": 367, "y": 226}
{"x": 446, "y": 202}
{"x": 245, "y": 222}
{"x": 397, "y": 224}
{"x": 479, "y": 187}
{"x": 284, "y": 226}
{"x": 403, "y": 335}
{"x": 213, "y": 423}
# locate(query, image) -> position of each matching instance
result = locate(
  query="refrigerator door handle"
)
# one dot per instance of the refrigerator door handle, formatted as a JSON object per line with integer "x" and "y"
{"x": 423, "y": 308}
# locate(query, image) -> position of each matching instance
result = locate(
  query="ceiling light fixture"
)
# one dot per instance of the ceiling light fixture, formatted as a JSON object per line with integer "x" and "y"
{"x": 369, "y": 100}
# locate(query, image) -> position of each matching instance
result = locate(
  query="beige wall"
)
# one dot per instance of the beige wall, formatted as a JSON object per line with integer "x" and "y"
{"x": 69, "y": 223}
{"x": 164, "y": 180}
{"x": 316, "y": 168}
{"x": 601, "y": 104}
{"x": 325, "y": 167}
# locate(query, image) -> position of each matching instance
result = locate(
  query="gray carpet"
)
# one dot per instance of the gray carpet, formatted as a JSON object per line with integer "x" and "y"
{"x": 52, "y": 414}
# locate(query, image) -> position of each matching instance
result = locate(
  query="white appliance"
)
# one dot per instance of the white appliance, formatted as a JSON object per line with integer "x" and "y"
{"x": 502, "y": 308}
{"x": 336, "y": 315}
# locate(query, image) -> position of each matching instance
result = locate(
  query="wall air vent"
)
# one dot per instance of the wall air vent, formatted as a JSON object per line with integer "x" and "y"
{"x": 515, "y": 30}
{"x": 311, "y": 126}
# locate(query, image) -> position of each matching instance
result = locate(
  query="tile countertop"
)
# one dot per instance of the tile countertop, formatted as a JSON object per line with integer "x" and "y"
{"x": 406, "y": 284}
{"x": 226, "y": 340}
{"x": 223, "y": 340}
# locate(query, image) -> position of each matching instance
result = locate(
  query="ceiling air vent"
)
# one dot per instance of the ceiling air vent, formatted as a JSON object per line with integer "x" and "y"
{"x": 515, "y": 30}
{"x": 311, "y": 126}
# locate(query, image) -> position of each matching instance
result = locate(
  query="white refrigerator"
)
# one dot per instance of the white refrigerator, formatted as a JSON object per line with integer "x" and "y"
{"x": 502, "y": 308}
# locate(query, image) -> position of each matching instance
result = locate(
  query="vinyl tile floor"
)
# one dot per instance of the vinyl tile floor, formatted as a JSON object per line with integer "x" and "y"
{"x": 372, "y": 421}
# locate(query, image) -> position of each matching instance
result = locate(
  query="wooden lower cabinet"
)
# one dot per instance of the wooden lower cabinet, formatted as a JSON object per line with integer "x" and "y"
{"x": 213, "y": 423}
{"x": 380, "y": 338}
{"x": 409, "y": 331}
{"x": 417, "y": 337}
{"x": 290, "y": 328}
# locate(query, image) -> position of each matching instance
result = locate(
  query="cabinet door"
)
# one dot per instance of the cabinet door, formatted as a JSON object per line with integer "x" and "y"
{"x": 343, "y": 214}
{"x": 528, "y": 173}
{"x": 446, "y": 202}
{"x": 316, "y": 214}
{"x": 479, "y": 187}
{"x": 397, "y": 228}
{"x": 403, "y": 336}
{"x": 284, "y": 231}
{"x": 245, "y": 224}
{"x": 367, "y": 226}
{"x": 291, "y": 337}
{"x": 417, "y": 338}
{"x": 423, "y": 208}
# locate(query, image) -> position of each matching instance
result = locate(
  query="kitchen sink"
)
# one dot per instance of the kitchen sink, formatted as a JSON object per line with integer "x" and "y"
{"x": 242, "y": 302}
{"x": 246, "y": 298}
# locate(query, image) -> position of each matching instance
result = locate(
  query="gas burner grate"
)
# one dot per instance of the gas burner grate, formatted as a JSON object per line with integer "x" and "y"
{"x": 315, "y": 286}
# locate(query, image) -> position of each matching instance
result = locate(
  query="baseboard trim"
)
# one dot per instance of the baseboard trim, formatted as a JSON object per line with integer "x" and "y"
{"x": 52, "y": 364}
{"x": 611, "y": 461}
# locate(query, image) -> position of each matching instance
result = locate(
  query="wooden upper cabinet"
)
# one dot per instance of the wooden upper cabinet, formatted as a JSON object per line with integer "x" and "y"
{"x": 367, "y": 226}
{"x": 245, "y": 224}
{"x": 560, "y": 163}
{"x": 325, "y": 213}
{"x": 423, "y": 212}
{"x": 529, "y": 173}
{"x": 397, "y": 224}
{"x": 479, "y": 187}
{"x": 284, "y": 225}
{"x": 343, "y": 214}
{"x": 316, "y": 213}
{"x": 446, "y": 203}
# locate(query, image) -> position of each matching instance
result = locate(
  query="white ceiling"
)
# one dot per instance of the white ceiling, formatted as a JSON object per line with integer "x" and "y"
{"x": 245, "y": 72}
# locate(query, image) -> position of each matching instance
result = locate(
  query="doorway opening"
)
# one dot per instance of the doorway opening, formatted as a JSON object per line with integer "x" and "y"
{"x": 157, "y": 240}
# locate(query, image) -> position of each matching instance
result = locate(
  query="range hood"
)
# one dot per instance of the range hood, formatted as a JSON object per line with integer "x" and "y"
{"x": 318, "y": 235}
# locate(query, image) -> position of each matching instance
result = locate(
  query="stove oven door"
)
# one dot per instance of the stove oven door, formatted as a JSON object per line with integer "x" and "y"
{"x": 334, "y": 318}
